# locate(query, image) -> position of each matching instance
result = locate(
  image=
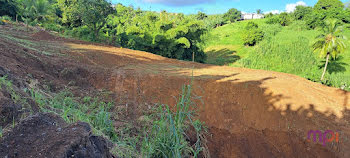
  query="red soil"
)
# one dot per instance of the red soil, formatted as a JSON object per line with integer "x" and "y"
{"x": 43, "y": 35}
{"x": 250, "y": 113}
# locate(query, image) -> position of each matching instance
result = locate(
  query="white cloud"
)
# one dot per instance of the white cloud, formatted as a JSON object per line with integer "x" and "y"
{"x": 291, "y": 7}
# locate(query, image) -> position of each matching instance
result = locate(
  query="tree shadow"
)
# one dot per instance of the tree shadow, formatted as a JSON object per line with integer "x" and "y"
{"x": 334, "y": 66}
{"x": 222, "y": 56}
{"x": 346, "y": 98}
{"x": 245, "y": 119}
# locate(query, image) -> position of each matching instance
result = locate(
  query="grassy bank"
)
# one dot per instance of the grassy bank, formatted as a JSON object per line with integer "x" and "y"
{"x": 284, "y": 49}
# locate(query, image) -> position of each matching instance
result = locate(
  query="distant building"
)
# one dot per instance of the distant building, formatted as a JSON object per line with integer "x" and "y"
{"x": 250, "y": 16}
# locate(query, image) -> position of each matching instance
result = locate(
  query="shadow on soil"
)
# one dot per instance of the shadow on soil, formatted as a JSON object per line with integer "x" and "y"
{"x": 244, "y": 122}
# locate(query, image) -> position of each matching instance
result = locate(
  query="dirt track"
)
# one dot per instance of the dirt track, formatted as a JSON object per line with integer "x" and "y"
{"x": 250, "y": 113}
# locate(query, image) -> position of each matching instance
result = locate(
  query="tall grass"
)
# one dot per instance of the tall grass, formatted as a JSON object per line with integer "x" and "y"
{"x": 295, "y": 57}
{"x": 167, "y": 137}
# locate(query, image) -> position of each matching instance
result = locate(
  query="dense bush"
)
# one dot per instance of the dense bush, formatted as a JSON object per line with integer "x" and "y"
{"x": 285, "y": 19}
{"x": 214, "y": 21}
{"x": 53, "y": 27}
{"x": 273, "y": 20}
{"x": 302, "y": 12}
{"x": 252, "y": 34}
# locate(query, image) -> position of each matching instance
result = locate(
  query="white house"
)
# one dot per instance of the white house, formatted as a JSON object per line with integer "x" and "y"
{"x": 249, "y": 16}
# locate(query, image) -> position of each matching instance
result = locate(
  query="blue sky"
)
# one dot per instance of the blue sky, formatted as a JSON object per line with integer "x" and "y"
{"x": 215, "y": 6}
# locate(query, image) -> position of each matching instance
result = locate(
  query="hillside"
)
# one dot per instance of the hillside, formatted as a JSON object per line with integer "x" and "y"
{"x": 284, "y": 49}
{"x": 249, "y": 113}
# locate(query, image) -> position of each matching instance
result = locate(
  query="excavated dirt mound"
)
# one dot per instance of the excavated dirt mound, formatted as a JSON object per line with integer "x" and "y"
{"x": 249, "y": 113}
{"x": 43, "y": 35}
{"x": 47, "y": 135}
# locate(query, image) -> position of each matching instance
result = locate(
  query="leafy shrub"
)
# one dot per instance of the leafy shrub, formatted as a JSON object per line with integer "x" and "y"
{"x": 214, "y": 21}
{"x": 251, "y": 25}
{"x": 252, "y": 37}
{"x": 82, "y": 32}
{"x": 53, "y": 27}
{"x": 302, "y": 12}
{"x": 252, "y": 34}
{"x": 273, "y": 20}
{"x": 285, "y": 20}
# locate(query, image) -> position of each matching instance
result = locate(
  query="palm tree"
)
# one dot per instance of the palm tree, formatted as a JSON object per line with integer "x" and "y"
{"x": 330, "y": 43}
{"x": 35, "y": 10}
{"x": 41, "y": 9}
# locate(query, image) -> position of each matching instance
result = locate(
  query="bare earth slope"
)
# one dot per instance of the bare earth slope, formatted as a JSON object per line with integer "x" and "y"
{"x": 250, "y": 113}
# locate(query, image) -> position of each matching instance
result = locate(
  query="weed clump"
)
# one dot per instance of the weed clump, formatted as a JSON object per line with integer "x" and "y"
{"x": 167, "y": 136}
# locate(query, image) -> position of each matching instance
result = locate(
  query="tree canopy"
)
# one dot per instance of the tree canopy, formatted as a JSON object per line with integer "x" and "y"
{"x": 233, "y": 15}
{"x": 329, "y": 4}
